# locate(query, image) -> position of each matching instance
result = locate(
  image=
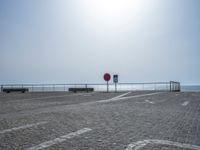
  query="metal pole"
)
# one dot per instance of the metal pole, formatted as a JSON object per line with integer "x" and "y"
{"x": 115, "y": 87}
{"x": 107, "y": 87}
{"x": 53, "y": 87}
{"x": 166, "y": 86}
{"x": 86, "y": 88}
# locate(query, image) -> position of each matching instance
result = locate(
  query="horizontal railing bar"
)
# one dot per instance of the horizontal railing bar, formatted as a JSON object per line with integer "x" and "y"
{"x": 147, "y": 83}
{"x": 86, "y": 84}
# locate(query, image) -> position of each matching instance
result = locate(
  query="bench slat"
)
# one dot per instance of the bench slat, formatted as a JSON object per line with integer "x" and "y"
{"x": 8, "y": 90}
{"x": 81, "y": 89}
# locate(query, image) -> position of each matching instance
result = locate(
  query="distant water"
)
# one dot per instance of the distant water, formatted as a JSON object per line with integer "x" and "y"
{"x": 190, "y": 88}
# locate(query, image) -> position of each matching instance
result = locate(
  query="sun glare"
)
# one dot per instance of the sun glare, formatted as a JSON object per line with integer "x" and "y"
{"x": 112, "y": 11}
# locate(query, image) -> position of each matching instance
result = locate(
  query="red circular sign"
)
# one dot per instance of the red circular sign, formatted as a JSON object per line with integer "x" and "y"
{"x": 106, "y": 76}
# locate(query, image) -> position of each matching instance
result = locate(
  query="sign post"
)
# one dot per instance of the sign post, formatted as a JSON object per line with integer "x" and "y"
{"x": 107, "y": 78}
{"x": 115, "y": 80}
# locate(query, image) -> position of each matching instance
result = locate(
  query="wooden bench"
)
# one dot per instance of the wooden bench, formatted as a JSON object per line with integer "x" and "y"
{"x": 81, "y": 90}
{"x": 8, "y": 90}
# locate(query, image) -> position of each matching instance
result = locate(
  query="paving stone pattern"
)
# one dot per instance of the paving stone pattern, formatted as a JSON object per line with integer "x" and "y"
{"x": 114, "y": 125}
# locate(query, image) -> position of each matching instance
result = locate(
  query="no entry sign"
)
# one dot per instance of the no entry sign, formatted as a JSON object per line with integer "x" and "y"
{"x": 106, "y": 76}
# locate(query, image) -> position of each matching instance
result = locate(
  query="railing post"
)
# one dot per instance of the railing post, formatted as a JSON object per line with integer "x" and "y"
{"x": 170, "y": 86}
{"x": 1, "y": 88}
{"x": 166, "y": 86}
{"x": 53, "y": 87}
{"x": 86, "y": 88}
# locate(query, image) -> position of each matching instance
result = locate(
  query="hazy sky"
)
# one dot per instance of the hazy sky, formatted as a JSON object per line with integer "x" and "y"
{"x": 72, "y": 41}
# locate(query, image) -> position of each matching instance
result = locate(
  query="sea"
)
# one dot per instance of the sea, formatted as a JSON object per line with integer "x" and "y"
{"x": 190, "y": 88}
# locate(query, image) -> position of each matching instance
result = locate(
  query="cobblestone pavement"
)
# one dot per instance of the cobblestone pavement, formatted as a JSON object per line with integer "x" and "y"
{"x": 100, "y": 121}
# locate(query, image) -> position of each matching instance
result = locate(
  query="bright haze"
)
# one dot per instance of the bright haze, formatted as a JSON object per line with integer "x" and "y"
{"x": 77, "y": 41}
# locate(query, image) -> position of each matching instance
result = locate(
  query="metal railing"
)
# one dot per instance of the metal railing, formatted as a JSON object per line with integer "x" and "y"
{"x": 175, "y": 86}
{"x": 171, "y": 86}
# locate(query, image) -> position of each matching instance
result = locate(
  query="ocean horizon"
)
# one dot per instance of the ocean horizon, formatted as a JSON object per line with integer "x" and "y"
{"x": 190, "y": 88}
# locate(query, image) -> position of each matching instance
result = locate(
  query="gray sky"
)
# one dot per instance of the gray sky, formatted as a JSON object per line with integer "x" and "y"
{"x": 72, "y": 41}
